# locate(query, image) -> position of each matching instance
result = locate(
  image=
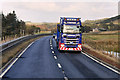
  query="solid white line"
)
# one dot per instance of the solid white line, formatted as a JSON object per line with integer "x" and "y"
{"x": 101, "y": 63}
{"x": 14, "y": 61}
{"x": 55, "y": 57}
{"x": 59, "y": 65}
{"x": 25, "y": 50}
{"x": 65, "y": 78}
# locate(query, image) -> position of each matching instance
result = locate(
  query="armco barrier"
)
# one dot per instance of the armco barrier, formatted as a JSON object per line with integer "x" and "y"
{"x": 15, "y": 42}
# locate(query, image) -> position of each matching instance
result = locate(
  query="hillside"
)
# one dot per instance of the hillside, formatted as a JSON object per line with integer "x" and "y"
{"x": 94, "y": 21}
{"x": 44, "y": 26}
{"x": 106, "y": 23}
{"x": 114, "y": 20}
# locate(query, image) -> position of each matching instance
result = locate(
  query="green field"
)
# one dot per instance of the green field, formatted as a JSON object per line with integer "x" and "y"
{"x": 104, "y": 42}
{"x": 101, "y": 37}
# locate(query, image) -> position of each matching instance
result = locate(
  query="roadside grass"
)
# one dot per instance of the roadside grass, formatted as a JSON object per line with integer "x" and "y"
{"x": 102, "y": 42}
{"x": 102, "y": 56}
{"x": 9, "y": 54}
{"x": 96, "y": 44}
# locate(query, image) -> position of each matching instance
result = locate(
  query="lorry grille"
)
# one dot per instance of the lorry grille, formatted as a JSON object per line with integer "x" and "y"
{"x": 71, "y": 42}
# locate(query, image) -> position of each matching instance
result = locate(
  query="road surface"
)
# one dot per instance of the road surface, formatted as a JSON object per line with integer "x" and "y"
{"x": 43, "y": 60}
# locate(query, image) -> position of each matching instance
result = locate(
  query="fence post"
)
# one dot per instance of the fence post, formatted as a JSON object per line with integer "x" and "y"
{"x": 110, "y": 52}
{"x": 113, "y": 51}
{"x": 83, "y": 40}
{"x": 107, "y": 51}
{"x": 116, "y": 53}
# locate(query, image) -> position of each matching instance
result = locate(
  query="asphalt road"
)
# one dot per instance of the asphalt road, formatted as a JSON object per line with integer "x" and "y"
{"x": 43, "y": 60}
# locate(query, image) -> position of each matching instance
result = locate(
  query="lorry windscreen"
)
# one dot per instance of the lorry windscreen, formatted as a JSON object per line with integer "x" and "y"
{"x": 70, "y": 29}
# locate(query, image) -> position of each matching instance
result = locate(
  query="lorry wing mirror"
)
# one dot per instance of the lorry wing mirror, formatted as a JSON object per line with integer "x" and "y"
{"x": 58, "y": 25}
{"x": 53, "y": 36}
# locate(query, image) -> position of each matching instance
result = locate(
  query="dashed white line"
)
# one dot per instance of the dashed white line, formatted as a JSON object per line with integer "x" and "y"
{"x": 59, "y": 65}
{"x": 53, "y": 52}
{"x": 55, "y": 57}
{"x": 51, "y": 47}
{"x": 65, "y": 78}
{"x": 14, "y": 61}
{"x": 101, "y": 63}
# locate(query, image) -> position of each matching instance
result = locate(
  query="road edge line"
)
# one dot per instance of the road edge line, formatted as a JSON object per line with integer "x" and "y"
{"x": 5, "y": 71}
{"x": 101, "y": 63}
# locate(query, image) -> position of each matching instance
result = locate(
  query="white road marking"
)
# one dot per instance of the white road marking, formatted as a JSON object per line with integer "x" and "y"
{"x": 14, "y": 61}
{"x": 50, "y": 40}
{"x": 51, "y": 47}
{"x": 65, "y": 78}
{"x": 101, "y": 63}
{"x": 55, "y": 57}
{"x": 53, "y": 52}
{"x": 59, "y": 65}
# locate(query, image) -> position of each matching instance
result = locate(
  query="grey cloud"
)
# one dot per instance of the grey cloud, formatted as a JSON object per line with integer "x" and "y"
{"x": 51, "y": 11}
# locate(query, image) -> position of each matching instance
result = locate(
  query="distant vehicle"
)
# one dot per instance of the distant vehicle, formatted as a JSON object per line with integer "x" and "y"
{"x": 69, "y": 34}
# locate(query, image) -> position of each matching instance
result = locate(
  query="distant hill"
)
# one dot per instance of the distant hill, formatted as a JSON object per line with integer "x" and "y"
{"x": 114, "y": 20}
{"x": 94, "y": 21}
{"x": 44, "y": 26}
{"x": 109, "y": 24}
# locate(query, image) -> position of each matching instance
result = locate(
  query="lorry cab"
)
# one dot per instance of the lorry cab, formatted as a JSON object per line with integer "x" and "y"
{"x": 69, "y": 34}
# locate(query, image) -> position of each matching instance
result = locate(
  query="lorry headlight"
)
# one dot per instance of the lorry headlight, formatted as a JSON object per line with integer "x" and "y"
{"x": 77, "y": 36}
{"x": 62, "y": 45}
{"x": 64, "y": 36}
{"x": 79, "y": 45}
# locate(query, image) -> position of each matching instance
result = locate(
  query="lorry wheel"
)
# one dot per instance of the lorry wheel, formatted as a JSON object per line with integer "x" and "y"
{"x": 57, "y": 45}
{"x": 78, "y": 52}
{"x": 61, "y": 51}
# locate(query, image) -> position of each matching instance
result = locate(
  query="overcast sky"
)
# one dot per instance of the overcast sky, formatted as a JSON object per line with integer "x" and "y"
{"x": 50, "y": 11}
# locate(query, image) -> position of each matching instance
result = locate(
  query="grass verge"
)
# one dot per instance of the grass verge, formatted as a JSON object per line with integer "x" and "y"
{"x": 102, "y": 56}
{"x": 103, "y": 42}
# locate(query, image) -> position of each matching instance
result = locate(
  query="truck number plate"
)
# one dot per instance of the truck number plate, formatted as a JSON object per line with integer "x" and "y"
{"x": 70, "y": 48}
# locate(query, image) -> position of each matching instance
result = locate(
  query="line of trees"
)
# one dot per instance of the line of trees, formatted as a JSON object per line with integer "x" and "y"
{"x": 13, "y": 27}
